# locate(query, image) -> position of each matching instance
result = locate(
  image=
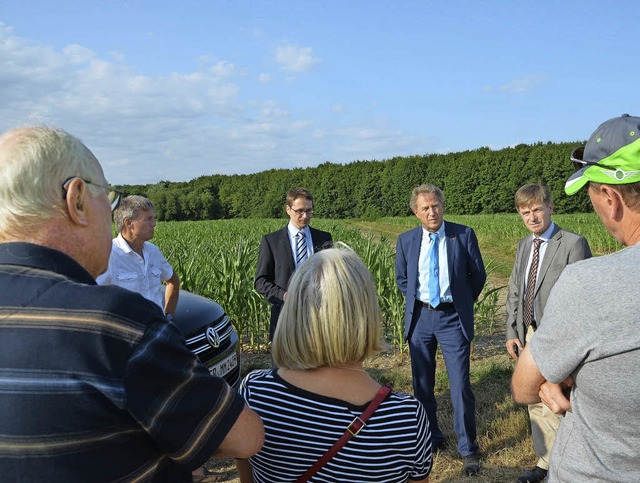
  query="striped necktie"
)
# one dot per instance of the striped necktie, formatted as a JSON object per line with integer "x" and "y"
{"x": 527, "y": 314}
{"x": 301, "y": 248}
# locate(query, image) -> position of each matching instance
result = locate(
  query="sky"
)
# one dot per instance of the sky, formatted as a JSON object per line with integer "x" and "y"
{"x": 174, "y": 90}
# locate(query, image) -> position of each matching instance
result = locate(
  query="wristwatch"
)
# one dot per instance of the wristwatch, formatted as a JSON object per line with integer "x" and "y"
{"x": 169, "y": 317}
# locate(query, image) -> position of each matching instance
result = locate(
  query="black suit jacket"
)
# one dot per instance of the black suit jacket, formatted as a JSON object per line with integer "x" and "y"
{"x": 276, "y": 265}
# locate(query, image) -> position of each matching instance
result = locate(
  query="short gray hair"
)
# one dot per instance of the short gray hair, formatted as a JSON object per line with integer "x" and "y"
{"x": 425, "y": 189}
{"x": 34, "y": 164}
{"x": 129, "y": 209}
{"x": 331, "y": 316}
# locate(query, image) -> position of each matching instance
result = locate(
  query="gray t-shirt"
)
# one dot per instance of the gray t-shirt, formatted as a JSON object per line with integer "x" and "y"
{"x": 594, "y": 334}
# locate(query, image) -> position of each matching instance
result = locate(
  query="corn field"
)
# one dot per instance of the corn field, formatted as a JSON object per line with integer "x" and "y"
{"x": 217, "y": 259}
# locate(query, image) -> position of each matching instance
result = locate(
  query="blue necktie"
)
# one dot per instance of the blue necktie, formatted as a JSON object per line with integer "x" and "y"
{"x": 434, "y": 271}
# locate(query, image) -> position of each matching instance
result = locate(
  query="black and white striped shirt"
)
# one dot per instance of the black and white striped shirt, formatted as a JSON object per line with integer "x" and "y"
{"x": 301, "y": 426}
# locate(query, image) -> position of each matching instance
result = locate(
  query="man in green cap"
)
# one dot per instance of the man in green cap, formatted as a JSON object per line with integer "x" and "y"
{"x": 585, "y": 362}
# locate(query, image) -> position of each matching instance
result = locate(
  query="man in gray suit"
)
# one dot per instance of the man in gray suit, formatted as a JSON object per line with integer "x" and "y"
{"x": 539, "y": 262}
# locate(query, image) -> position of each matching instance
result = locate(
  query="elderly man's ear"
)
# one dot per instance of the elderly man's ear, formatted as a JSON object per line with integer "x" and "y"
{"x": 77, "y": 202}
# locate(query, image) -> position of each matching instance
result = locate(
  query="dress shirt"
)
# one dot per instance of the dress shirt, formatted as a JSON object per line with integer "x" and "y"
{"x": 422, "y": 287}
{"x": 293, "y": 231}
{"x": 143, "y": 275}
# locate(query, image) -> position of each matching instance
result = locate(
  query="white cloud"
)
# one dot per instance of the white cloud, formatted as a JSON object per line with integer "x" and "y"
{"x": 224, "y": 69}
{"x": 126, "y": 117}
{"x": 146, "y": 128}
{"x": 520, "y": 85}
{"x": 117, "y": 56}
{"x": 296, "y": 59}
{"x": 264, "y": 78}
{"x": 77, "y": 54}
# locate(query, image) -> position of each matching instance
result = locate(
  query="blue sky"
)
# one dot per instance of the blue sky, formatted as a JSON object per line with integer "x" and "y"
{"x": 173, "y": 90}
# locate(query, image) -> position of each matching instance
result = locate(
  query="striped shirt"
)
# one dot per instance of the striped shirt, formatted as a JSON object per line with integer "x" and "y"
{"x": 95, "y": 385}
{"x": 301, "y": 426}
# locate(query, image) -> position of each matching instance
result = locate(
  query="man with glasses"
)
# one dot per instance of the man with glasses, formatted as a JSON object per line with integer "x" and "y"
{"x": 283, "y": 250}
{"x": 94, "y": 384}
{"x": 584, "y": 358}
{"x": 540, "y": 259}
{"x": 135, "y": 263}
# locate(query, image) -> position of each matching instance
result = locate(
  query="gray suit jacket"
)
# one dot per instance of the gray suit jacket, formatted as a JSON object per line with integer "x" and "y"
{"x": 564, "y": 247}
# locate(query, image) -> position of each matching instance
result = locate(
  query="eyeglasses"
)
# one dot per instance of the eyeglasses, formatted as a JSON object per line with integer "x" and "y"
{"x": 302, "y": 212}
{"x": 579, "y": 163}
{"x": 113, "y": 195}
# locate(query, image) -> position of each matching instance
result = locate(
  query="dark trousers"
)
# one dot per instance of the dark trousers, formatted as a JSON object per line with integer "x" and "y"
{"x": 443, "y": 326}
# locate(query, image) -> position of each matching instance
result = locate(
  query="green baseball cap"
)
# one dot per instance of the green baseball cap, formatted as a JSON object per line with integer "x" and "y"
{"x": 611, "y": 156}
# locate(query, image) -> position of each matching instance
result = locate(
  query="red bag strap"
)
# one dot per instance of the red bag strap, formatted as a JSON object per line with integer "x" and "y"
{"x": 352, "y": 430}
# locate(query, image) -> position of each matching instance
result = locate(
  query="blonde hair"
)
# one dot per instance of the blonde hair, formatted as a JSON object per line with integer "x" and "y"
{"x": 532, "y": 193}
{"x": 331, "y": 316}
{"x": 34, "y": 163}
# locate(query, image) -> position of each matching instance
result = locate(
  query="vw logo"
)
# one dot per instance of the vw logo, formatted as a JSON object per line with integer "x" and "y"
{"x": 212, "y": 337}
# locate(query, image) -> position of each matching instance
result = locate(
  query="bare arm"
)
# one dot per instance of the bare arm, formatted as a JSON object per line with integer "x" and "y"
{"x": 526, "y": 380}
{"x": 244, "y": 471}
{"x": 245, "y": 438}
{"x": 528, "y": 385}
{"x": 171, "y": 294}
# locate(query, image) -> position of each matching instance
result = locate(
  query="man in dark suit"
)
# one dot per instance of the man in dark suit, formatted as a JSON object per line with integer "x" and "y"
{"x": 440, "y": 270}
{"x": 283, "y": 250}
{"x": 557, "y": 248}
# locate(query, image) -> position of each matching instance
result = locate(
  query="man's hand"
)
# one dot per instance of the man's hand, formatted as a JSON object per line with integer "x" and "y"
{"x": 514, "y": 347}
{"x": 556, "y": 396}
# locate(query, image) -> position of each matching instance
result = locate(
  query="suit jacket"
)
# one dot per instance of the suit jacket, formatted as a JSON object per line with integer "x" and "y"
{"x": 276, "y": 265}
{"x": 466, "y": 272}
{"x": 564, "y": 247}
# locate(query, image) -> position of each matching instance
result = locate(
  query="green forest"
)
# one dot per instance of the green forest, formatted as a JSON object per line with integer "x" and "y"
{"x": 481, "y": 181}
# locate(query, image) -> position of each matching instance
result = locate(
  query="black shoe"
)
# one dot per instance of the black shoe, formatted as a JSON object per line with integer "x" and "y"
{"x": 534, "y": 476}
{"x": 471, "y": 465}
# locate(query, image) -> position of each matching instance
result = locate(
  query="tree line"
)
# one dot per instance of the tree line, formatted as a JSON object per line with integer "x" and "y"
{"x": 474, "y": 182}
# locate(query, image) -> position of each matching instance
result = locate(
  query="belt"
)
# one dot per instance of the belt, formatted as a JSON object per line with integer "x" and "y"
{"x": 442, "y": 306}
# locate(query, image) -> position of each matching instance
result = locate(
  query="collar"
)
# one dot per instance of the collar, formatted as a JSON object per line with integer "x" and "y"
{"x": 440, "y": 232}
{"x": 122, "y": 244}
{"x": 546, "y": 236}
{"x": 44, "y": 258}
{"x": 293, "y": 231}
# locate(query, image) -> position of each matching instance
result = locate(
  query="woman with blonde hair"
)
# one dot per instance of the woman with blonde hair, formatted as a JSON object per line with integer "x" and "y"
{"x": 329, "y": 325}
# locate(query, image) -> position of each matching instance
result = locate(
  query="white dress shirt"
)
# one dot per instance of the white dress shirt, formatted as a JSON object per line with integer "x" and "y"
{"x": 129, "y": 270}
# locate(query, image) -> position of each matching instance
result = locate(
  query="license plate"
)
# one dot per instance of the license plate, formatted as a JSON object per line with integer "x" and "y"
{"x": 225, "y": 366}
